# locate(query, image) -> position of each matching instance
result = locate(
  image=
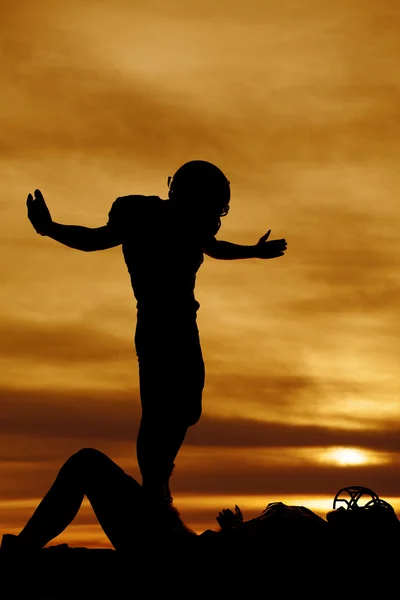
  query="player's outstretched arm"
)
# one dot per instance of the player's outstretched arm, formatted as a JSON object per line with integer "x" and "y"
{"x": 74, "y": 236}
{"x": 223, "y": 250}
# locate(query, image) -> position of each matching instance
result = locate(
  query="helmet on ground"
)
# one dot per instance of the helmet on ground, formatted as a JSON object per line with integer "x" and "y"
{"x": 200, "y": 180}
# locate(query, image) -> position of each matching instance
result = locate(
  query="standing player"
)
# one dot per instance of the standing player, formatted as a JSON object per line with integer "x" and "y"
{"x": 163, "y": 243}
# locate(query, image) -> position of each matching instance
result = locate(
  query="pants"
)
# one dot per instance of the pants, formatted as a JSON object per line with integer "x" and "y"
{"x": 171, "y": 376}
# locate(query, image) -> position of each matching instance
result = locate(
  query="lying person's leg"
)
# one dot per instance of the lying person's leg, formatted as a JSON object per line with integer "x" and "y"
{"x": 116, "y": 499}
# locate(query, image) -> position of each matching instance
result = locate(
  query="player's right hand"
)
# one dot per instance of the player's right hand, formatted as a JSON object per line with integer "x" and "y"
{"x": 38, "y": 213}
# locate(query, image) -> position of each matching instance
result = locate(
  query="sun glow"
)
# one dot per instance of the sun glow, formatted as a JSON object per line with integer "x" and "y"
{"x": 348, "y": 456}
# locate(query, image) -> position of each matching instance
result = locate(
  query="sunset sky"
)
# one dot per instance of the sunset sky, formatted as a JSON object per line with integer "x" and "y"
{"x": 298, "y": 102}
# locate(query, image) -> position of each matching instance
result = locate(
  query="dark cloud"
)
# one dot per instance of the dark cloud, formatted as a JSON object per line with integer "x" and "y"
{"x": 283, "y": 386}
{"x": 213, "y": 474}
{"x": 285, "y": 390}
{"x": 76, "y": 342}
{"x": 248, "y": 433}
{"x": 230, "y": 477}
{"x": 49, "y": 414}
{"x": 114, "y": 417}
{"x": 220, "y": 456}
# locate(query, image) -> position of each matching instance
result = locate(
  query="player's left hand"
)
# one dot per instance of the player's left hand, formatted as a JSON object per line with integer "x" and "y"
{"x": 271, "y": 249}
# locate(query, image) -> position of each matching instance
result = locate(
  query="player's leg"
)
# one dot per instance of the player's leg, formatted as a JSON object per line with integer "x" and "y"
{"x": 171, "y": 374}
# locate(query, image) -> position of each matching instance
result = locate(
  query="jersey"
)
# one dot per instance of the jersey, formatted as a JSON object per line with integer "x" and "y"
{"x": 163, "y": 251}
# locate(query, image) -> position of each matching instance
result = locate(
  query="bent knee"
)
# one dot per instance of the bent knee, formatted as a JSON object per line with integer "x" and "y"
{"x": 87, "y": 454}
{"x": 193, "y": 417}
{"x": 85, "y": 459}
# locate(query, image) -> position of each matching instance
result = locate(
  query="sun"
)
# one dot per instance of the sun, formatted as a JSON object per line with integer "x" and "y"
{"x": 346, "y": 456}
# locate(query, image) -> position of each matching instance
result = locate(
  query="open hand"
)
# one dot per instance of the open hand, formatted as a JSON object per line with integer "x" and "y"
{"x": 272, "y": 249}
{"x": 38, "y": 213}
{"x": 227, "y": 518}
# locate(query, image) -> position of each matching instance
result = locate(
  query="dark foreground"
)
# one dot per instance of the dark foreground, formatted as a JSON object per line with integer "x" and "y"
{"x": 356, "y": 567}
{"x": 287, "y": 552}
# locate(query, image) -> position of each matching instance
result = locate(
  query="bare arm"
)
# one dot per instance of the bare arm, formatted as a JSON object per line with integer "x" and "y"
{"x": 223, "y": 250}
{"x": 74, "y": 236}
{"x": 83, "y": 238}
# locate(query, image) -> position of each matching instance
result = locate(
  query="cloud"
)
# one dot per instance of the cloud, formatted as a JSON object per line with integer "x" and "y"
{"x": 39, "y": 430}
{"x": 67, "y": 95}
{"x": 251, "y": 433}
{"x": 115, "y": 416}
{"x": 303, "y": 118}
{"x": 48, "y": 414}
{"x": 61, "y": 98}
{"x": 202, "y": 471}
{"x": 217, "y": 477}
{"x": 62, "y": 342}
{"x": 349, "y": 267}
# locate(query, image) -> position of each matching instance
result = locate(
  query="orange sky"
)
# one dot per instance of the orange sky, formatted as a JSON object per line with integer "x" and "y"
{"x": 298, "y": 103}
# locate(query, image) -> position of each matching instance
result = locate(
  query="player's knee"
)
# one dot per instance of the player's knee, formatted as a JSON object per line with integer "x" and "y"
{"x": 193, "y": 417}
